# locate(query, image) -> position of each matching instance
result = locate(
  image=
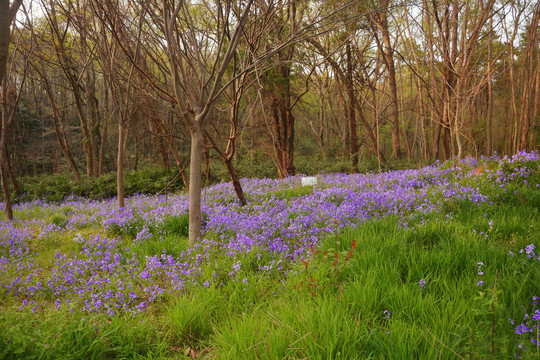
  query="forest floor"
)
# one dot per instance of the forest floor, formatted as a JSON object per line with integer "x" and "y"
{"x": 415, "y": 264}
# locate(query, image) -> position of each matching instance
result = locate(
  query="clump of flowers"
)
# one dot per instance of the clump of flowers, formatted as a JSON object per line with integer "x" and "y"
{"x": 480, "y": 273}
{"x": 529, "y": 329}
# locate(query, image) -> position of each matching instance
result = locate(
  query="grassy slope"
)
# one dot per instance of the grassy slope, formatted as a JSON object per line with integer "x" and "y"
{"x": 331, "y": 310}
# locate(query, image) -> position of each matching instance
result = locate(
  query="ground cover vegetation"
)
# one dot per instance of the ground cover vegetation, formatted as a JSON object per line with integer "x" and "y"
{"x": 435, "y": 262}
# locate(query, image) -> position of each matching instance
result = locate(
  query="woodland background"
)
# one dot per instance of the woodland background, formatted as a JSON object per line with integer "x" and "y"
{"x": 266, "y": 87}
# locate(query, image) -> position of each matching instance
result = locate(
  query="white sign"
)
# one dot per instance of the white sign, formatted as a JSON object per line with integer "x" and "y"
{"x": 309, "y": 181}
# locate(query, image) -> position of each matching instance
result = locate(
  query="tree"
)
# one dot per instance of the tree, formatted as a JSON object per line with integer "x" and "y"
{"x": 7, "y": 17}
{"x": 197, "y": 78}
{"x": 379, "y": 20}
{"x": 63, "y": 43}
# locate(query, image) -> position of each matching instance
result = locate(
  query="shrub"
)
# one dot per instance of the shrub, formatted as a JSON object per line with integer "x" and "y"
{"x": 57, "y": 187}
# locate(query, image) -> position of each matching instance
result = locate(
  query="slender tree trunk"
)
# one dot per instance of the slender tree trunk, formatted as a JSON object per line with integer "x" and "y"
{"x": 279, "y": 92}
{"x": 236, "y": 182}
{"x": 388, "y": 58}
{"x": 457, "y": 134}
{"x": 11, "y": 174}
{"x": 515, "y": 130}
{"x": 489, "y": 119}
{"x": 122, "y": 137}
{"x": 536, "y": 106}
{"x": 195, "y": 183}
{"x": 92, "y": 116}
{"x": 3, "y": 155}
{"x": 102, "y": 144}
{"x": 346, "y": 139}
{"x": 352, "y": 111}
{"x": 8, "y": 209}
{"x": 283, "y": 121}
{"x": 528, "y": 80}
{"x": 7, "y": 15}
{"x": 106, "y": 119}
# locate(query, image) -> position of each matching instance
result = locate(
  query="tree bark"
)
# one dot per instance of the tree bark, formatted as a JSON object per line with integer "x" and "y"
{"x": 536, "y": 106}
{"x": 528, "y": 81}
{"x": 3, "y": 154}
{"x": 195, "y": 183}
{"x": 7, "y": 16}
{"x": 489, "y": 118}
{"x": 353, "y": 154}
{"x": 283, "y": 121}
{"x": 122, "y": 137}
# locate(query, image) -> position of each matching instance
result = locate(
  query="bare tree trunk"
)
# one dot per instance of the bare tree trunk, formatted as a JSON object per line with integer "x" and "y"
{"x": 207, "y": 169}
{"x": 195, "y": 183}
{"x": 227, "y": 158}
{"x": 528, "y": 80}
{"x": 3, "y": 154}
{"x": 102, "y": 144}
{"x": 351, "y": 110}
{"x": 236, "y": 182}
{"x": 282, "y": 118}
{"x": 489, "y": 119}
{"x": 122, "y": 137}
{"x": 536, "y": 106}
{"x": 92, "y": 116}
{"x": 8, "y": 209}
{"x": 7, "y": 16}
{"x": 387, "y": 51}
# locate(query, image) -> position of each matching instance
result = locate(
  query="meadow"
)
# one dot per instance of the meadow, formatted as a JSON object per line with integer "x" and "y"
{"x": 436, "y": 262}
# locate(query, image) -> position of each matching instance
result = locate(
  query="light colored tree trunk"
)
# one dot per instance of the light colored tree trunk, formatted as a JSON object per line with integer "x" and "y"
{"x": 195, "y": 182}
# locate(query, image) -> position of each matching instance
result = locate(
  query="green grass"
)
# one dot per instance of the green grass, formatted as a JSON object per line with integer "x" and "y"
{"x": 287, "y": 194}
{"x": 172, "y": 244}
{"x": 343, "y": 316}
{"x": 63, "y": 335}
